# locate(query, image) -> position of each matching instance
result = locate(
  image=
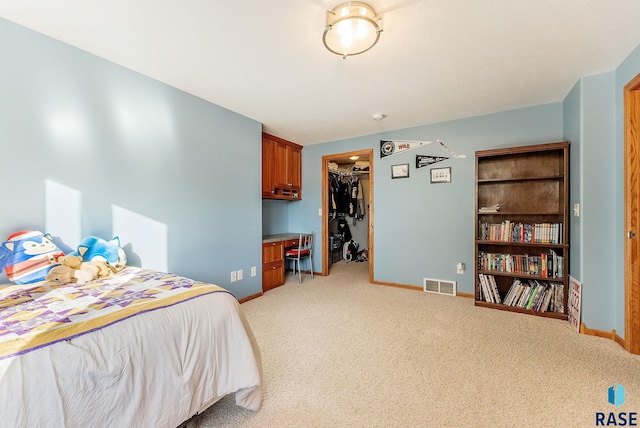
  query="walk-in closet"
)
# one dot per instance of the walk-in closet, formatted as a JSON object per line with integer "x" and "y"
{"x": 348, "y": 209}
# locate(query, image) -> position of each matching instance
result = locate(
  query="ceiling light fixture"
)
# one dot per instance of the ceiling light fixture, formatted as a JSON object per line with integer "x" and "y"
{"x": 351, "y": 29}
{"x": 377, "y": 116}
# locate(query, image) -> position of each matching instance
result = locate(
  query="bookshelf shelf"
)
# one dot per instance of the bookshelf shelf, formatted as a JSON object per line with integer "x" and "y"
{"x": 519, "y": 275}
{"x": 513, "y": 179}
{"x": 521, "y": 250}
{"x": 562, "y": 316}
{"x": 519, "y": 213}
{"x": 521, "y": 244}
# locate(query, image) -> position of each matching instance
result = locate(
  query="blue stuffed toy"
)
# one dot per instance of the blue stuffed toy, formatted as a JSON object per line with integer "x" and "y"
{"x": 28, "y": 256}
{"x": 94, "y": 249}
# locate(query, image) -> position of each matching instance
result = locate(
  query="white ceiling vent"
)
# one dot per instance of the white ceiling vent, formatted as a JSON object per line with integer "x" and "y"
{"x": 439, "y": 286}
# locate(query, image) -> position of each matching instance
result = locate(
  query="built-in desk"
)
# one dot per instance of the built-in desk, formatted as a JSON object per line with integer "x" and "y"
{"x": 273, "y": 247}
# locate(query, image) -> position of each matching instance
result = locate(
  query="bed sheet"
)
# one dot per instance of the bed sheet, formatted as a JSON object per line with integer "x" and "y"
{"x": 155, "y": 369}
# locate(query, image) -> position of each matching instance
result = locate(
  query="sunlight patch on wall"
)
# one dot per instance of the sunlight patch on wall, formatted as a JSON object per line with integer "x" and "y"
{"x": 144, "y": 121}
{"x": 67, "y": 126}
{"x": 63, "y": 212}
{"x": 148, "y": 237}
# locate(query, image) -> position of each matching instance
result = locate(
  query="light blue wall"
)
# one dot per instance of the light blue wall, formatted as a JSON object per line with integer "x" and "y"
{"x": 123, "y": 139}
{"x": 598, "y": 247}
{"x": 589, "y": 117}
{"x": 422, "y": 229}
{"x": 572, "y": 117}
{"x": 275, "y": 216}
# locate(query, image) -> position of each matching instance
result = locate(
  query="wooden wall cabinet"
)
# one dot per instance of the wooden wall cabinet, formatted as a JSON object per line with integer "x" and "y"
{"x": 522, "y": 246}
{"x": 281, "y": 168}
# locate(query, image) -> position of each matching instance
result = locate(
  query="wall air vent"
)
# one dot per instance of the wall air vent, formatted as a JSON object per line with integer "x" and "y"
{"x": 439, "y": 286}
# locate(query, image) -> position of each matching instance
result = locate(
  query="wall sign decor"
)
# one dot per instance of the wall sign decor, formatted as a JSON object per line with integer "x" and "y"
{"x": 400, "y": 170}
{"x": 424, "y": 160}
{"x": 393, "y": 147}
{"x": 441, "y": 175}
{"x": 455, "y": 155}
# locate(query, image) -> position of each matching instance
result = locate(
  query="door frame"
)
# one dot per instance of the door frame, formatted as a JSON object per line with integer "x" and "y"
{"x": 631, "y": 215}
{"x": 325, "y": 205}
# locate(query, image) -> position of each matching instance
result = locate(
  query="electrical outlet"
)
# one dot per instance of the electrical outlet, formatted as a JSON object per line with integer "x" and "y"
{"x": 233, "y": 276}
{"x": 254, "y": 271}
{"x": 240, "y": 274}
{"x": 460, "y": 268}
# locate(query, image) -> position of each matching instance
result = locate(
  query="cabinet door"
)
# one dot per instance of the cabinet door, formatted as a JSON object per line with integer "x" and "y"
{"x": 267, "y": 168}
{"x": 272, "y": 276}
{"x": 272, "y": 252}
{"x": 294, "y": 167}
{"x": 281, "y": 177}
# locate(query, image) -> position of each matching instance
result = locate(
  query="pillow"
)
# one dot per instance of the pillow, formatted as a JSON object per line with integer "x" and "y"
{"x": 28, "y": 255}
{"x": 94, "y": 249}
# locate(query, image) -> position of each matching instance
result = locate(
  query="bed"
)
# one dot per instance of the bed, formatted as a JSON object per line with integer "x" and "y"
{"x": 138, "y": 348}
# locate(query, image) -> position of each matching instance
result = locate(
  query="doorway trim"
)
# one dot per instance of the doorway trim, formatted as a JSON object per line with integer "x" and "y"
{"x": 325, "y": 206}
{"x": 631, "y": 215}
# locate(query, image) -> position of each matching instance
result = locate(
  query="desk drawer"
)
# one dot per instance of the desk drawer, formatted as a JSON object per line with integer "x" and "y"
{"x": 291, "y": 243}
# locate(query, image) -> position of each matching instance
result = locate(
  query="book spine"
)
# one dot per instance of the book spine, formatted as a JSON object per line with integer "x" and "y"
{"x": 492, "y": 281}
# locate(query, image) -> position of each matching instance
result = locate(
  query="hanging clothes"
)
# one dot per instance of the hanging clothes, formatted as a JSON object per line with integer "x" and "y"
{"x": 353, "y": 199}
{"x": 346, "y": 195}
{"x": 343, "y": 197}
{"x": 333, "y": 189}
{"x": 360, "y": 208}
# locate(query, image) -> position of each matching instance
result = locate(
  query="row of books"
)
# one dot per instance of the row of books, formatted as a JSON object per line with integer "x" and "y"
{"x": 488, "y": 289}
{"x": 536, "y": 295}
{"x": 508, "y": 231}
{"x": 546, "y": 265}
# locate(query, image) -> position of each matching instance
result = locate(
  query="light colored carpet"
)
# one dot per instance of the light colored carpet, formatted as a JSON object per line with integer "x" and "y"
{"x": 340, "y": 352}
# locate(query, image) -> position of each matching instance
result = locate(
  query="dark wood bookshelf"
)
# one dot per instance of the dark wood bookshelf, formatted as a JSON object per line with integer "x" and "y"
{"x": 531, "y": 186}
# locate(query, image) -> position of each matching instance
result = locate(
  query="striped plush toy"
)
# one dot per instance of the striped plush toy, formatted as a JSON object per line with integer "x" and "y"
{"x": 28, "y": 255}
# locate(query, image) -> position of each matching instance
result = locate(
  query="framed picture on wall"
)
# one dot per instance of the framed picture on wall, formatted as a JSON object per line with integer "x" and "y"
{"x": 441, "y": 175}
{"x": 400, "y": 170}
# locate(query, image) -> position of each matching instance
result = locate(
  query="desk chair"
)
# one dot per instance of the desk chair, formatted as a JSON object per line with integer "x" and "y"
{"x": 304, "y": 250}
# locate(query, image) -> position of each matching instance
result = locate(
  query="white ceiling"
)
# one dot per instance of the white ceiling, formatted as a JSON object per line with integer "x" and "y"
{"x": 435, "y": 61}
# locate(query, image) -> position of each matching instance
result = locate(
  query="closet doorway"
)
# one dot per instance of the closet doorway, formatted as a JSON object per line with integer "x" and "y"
{"x": 346, "y": 162}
